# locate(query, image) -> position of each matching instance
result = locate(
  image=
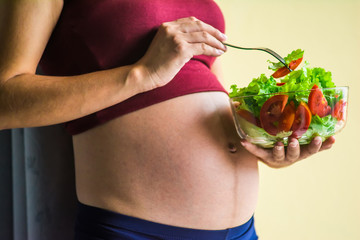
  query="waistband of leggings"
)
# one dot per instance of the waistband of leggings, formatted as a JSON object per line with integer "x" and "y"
{"x": 93, "y": 215}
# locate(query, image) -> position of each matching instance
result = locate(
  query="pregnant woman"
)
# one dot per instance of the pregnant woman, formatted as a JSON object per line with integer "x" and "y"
{"x": 136, "y": 83}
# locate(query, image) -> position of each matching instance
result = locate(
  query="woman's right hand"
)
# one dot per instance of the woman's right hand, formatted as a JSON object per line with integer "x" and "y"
{"x": 174, "y": 45}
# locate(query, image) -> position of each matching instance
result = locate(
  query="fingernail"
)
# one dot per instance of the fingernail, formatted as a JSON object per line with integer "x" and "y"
{"x": 223, "y": 36}
{"x": 293, "y": 144}
{"x": 225, "y": 47}
{"x": 219, "y": 52}
{"x": 317, "y": 140}
{"x": 279, "y": 148}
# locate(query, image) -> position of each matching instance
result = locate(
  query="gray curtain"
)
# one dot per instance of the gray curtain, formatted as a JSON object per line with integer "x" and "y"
{"x": 37, "y": 186}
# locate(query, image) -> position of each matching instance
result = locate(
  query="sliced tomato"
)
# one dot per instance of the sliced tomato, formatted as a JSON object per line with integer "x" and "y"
{"x": 287, "y": 117}
{"x": 338, "y": 111}
{"x": 285, "y": 71}
{"x": 317, "y": 102}
{"x": 248, "y": 116}
{"x": 270, "y": 113}
{"x": 302, "y": 120}
{"x": 280, "y": 84}
{"x": 294, "y": 64}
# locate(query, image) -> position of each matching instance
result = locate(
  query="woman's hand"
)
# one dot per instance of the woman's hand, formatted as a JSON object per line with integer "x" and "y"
{"x": 174, "y": 45}
{"x": 280, "y": 156}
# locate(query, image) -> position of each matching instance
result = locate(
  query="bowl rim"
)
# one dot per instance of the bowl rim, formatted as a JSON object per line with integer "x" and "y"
{"x": 278, "y": 93}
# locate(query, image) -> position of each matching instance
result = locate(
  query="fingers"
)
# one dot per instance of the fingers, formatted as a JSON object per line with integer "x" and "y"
{"x": 255, "y": 150}
{"x": 282, "y": 157}
{"x": 198, "y": 37}
{"x": 272, "y": 157}
{"x": 314, "y": 145}
{"x": 205, "y": 37}
{"x": 205, "y": 49}
{"x": 277, "y": 157}
{"x": 312, "y": 148}
{"x": 174, "y": 44}
{"x": 194, "y": 25}
{"x": 328, "y": 143}
{"x": 293, "y": 150}
{"x": 278, "y": 152}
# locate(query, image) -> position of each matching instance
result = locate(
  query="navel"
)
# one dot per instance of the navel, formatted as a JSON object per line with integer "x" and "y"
{"x": 232, "y": 147}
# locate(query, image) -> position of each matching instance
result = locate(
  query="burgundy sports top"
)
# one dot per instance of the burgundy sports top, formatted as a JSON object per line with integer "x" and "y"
{"x": 94, "y": 35}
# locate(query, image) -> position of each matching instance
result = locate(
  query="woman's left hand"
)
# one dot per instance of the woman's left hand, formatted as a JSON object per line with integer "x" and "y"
{"x": 280, "y": 156}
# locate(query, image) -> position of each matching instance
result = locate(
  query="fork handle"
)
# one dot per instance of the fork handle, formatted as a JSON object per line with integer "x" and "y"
{"x": 274, "y": 54}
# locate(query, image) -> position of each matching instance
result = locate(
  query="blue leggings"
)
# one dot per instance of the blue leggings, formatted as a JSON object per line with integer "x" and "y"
{"x": 98, "y": 224}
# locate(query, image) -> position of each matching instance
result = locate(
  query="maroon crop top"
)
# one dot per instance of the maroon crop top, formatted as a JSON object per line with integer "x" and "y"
{"x": 102, "y": 34}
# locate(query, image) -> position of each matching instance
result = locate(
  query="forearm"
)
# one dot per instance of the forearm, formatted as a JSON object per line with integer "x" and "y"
{"x": 29, "y": 100}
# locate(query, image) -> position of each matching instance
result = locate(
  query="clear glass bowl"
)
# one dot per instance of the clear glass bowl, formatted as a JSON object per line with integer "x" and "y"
{"x": 301, "y": 114}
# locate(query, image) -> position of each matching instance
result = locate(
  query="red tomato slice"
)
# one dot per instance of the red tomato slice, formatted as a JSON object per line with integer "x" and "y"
{"x": 338, "y": 111}
{"x": 270, "y": 113}
{"x": 248, "y": 116}
{"x": 287, "y": 117}
{"x": 281, "y": 72}
{"x": 302, "y": 120}
{"x": 280, "y": 84}
{"x": 285, "y": 71}
{"x": 317, "y": 102}
{"x": 294, "y": 64}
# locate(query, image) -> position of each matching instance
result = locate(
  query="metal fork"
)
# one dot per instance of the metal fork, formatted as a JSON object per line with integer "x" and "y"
{"x": 274, "y": 54}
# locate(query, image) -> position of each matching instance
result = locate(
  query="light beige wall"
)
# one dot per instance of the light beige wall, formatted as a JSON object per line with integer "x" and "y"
{"x": 318, "y": 198}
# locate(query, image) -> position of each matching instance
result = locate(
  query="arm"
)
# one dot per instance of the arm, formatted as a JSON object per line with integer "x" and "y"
{"x": 27, "y": 99}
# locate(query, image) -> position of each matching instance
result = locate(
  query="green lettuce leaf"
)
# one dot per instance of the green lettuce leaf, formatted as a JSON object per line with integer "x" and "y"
{"x": 300, "y": 81}
{"x": 258, "y": 88}
{"x": 294, "y": 55}
{"x": 323, "y": 127}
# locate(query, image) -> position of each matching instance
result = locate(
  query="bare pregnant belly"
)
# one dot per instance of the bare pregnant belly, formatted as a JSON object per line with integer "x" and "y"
{"x": 178, "y": 162}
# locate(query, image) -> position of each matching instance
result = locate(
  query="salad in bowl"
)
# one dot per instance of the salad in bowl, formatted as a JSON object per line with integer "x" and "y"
{"x": 300, "y": 104}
